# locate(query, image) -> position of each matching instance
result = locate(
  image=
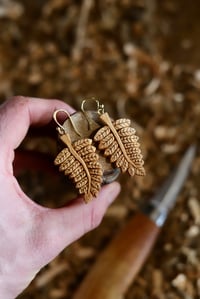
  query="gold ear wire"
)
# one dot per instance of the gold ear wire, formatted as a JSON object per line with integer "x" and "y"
{"x": 61, "y": 129}
{"x": 99, "y": 108}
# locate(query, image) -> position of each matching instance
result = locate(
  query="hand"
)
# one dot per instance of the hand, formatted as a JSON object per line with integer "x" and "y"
{"x": 32, "y": 235}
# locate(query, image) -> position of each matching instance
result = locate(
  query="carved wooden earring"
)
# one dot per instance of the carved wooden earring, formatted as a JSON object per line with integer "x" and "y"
{"x": 79, "y": 161}
{"x": 119, "y": 142}
{"x": 85, "y": 164}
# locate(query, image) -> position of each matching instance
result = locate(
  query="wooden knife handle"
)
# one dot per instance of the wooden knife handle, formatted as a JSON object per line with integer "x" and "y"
{"x": 118, "y": 265}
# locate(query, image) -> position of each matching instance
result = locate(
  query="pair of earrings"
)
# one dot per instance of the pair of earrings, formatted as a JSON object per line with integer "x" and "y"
{"x": 97, "y": 149}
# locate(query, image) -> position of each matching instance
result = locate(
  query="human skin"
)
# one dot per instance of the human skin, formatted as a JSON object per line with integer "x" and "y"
{"x": 32, "y": 235}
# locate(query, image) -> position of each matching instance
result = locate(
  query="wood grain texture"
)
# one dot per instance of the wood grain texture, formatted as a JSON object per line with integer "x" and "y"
{"x": 80, "y": 162}
{"x": 120, "y": 144}
{"x": 118, "y": 265}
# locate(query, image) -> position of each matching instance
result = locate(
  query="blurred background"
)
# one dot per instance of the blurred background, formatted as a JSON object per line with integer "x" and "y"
{"x": 141, "y": 59}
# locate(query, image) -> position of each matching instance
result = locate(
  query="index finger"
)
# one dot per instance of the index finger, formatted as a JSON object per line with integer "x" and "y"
{"x": 18, "y": 113}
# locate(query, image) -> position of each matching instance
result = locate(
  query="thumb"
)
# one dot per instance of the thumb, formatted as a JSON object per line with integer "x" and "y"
{"x": 65, "y": 225}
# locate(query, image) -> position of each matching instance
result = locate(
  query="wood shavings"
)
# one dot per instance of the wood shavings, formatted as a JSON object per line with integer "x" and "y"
{"x": 183, "y": 285}
{"x": 193, "y": 231}
{"x": 157, "y": 281}
{"x": 191, "y": 255}
{"x": 142, "y": 56}
{"x": 81, "y": 29}
{"x": 164, "y": 133}
{"x": 198, "y": 286}
{"x": 178, "y": 97}
{"x": 11, "y": 9}
{"x": 50, "y": 274}
{"x": 117, "y": 211}
{"x": 168, "y": 247}
{"x": 52, "y": 6}
{"x": 83, "y": 252}
{"x": 197, "y": 75}
{"x": 194, "y": 207}
{"x": 184, "y": 217}
{"x": 170, "y": 148}
{"x": 179, "y": 282}
{"x": 152, "y": 87}
{"x": 57, "y": 293}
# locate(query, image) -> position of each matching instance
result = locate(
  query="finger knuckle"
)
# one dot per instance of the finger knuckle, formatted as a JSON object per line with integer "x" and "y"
{"x": 19, "y": 101}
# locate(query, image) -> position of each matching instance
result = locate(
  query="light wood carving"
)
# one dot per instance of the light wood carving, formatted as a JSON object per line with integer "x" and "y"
{"x": 80, "y": 162}
{"x": 120, "y": 144}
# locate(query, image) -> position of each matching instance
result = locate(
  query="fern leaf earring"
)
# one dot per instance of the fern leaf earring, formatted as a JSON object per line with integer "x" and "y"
{"x": 120, "y": 144}
{"x": 79, "y": 162}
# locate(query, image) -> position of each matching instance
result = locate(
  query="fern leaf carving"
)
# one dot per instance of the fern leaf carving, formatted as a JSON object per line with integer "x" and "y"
{"x": 80, "y": 162}
{"x": 67, "y": 163}
{"x": 86, "y": 150}
{"x": 106, "y": 141}
{"x": 102, "y": 133}
{"x": 78, "y": 176}
{"x": 115, "y": 156}
{"x": 126, "y": 132}
{"x": 111, "y": 149}
{"x": 122, "y": 123}
{"x": 82, "y": 143}
{"x": 129, "y": 139}
{"x": 78, "y": 171}
{"x": 62, "y": 156}
{"x": 120, "y": 144}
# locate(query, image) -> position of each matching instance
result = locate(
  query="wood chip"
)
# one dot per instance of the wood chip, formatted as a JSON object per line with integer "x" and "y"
{"x": 152, "y": 87}
{"x": 198, "y": 287}
{"x": 157, "y": 281}
{"x": 191, "y": 255}
{"x": 193, "y": 231}
{"x": 84, "y": 252}
{"x": 194, "y": 207}
{"x": 163, "y": 132}
{"x": 170, "y": 148}
{"x": 47, "y": 276}
{"x": 117, "y": 211}
{"x": 57, "y": 293}
{"x": 179, "y": 282}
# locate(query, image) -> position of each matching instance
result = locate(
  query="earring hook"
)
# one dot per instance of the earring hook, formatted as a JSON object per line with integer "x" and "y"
{"x": 61, "y": 129}
{"x": 100, "y": 110}
{"x": 100, "y": 107}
